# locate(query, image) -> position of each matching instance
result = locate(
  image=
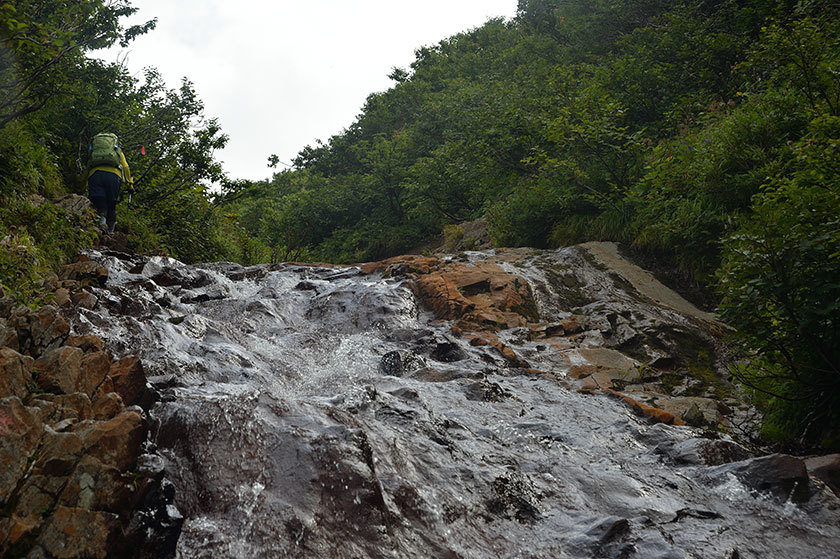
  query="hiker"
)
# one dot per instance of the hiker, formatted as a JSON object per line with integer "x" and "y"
{"x": 108, "y": 169}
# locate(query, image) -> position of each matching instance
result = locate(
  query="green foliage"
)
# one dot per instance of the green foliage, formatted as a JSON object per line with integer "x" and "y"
{"x": 699, "y": 181}
{"x": 780, "y": 286}
{"x": 26, "y": 165}
{"x": 38, "y": 239}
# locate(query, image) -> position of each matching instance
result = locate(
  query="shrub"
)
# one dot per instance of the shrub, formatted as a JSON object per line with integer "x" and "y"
{"x": 781, "y": 288}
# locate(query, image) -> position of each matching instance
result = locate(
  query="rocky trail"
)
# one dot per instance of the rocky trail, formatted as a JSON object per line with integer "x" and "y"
{"x": 503, "y": 403}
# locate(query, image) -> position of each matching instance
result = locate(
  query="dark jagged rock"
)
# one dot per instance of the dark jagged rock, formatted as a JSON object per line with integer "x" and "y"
{"x": 782, "y": 476}
{"x": 826, "y": 469}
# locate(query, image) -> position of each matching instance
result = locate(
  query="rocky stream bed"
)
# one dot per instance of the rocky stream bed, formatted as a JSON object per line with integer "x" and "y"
{"x": 508, "y": 403}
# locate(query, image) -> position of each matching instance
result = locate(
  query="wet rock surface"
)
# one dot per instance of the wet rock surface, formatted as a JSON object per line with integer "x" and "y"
{"x": 71, "y": 453}
{"x": 497, "y": 404}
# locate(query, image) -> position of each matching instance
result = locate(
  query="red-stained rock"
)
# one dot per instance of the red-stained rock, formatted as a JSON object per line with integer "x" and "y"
{"x": 59, "y": 369}
{"x": 94, "y": 367}
{"x": 20, "y": 431}
{"x": 15, "y": 373}
{"x": 129, "y": 379}
{"x": 107, "y": 406}
{"x": 75, "y": 532}
{"x": 115, "y": 442}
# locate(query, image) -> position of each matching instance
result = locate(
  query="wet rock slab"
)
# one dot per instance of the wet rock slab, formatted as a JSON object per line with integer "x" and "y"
{"x": 434, "y": 407}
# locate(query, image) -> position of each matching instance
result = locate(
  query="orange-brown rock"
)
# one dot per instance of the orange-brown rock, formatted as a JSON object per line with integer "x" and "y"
{"x": 481, "y": 296}
{"x": 129, "y": 379}
{"x": 62, "y": 297}
{"x": 75, "y": 532}
{"x": 9, "y": 338}
{"x": 644, "y": 410}
{"x": 59, "y": 454}
{"x": 115, "y": 442}
{"x": 65, "y": 406}
{"x": 96, "y": 486}
{"x": 86, "y": 273}
{"x": 15, "y": 373}
{"x": 86, "y": 343}
{"x": 84, "y": 299}
{"x": 48, "y": 330}
{"x": 14, "y": 529}
{"x": 107, "y": 406}
{"x": 58, "y": 370}
{"x": 95, "y": 366}
{"x": 20, "y": 431}
{"x": 106, "y": 387}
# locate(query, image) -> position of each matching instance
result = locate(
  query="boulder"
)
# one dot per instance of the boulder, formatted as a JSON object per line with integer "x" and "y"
{"x": 96, "y": 486}
{"x": 115, "y": 442}
{"x": 129, "y": 379}
{"x": 58, "y": 455}
{"x": 87, "y": 343}
{"x": 825, "y": 469}
{"x": 107, "y": 406}
{"x": 62, "y": 297}
{"x": 699, "y": 412}
{"x": 20, "y": 431}
{"x": 86, "y": 273}
{"x": 48, "y": 330}
{"x": 59, "y": 369}
{"x": 644, "y": 410}
{"x": 15, "y": 373}
{"x": 782, "y": 476}
{"x": 84, "y": 299}
{"x": 94, "y": 367}
{"x": 75, "y": 406}
{"x": 74, "y": 532}
{"x": 73, "y": 203}
{"x": 704, "y": 452}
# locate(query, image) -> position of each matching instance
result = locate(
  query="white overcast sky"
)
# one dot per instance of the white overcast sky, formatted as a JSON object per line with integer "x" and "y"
{"x": 280, "y": 74}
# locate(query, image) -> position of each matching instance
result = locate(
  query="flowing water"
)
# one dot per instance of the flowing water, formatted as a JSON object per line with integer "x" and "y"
{"x": 318, "y": 412}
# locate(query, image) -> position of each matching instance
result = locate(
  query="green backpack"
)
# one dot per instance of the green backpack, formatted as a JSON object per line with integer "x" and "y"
{"x": 104, "y": 151}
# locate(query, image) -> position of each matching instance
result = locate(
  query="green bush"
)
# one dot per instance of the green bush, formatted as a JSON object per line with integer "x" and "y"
{"x": 780, "y": 283}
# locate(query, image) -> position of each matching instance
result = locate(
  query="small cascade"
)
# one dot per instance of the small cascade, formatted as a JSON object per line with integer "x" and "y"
{"x": 330, "y": 412}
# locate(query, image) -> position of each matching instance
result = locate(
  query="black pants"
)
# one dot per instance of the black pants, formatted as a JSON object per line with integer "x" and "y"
{"x": 104, "y": 192}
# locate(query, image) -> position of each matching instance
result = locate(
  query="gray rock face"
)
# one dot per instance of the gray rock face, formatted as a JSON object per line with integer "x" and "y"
{"x": 317, "y": 412}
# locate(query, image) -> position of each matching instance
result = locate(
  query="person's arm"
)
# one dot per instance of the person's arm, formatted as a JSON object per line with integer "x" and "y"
{"x": 126, "y": 171}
